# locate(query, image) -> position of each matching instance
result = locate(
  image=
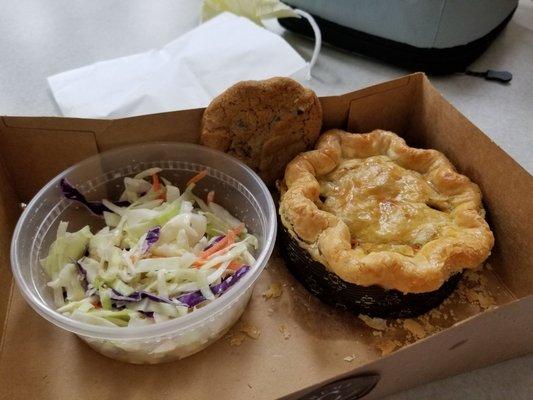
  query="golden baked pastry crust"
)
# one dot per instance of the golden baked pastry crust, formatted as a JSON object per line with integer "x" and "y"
{"x": 377, "y": 212}
{"x": 263, "y": 123}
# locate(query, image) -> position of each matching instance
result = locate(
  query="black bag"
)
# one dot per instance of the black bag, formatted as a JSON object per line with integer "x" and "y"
{"x": 434, "y": 36}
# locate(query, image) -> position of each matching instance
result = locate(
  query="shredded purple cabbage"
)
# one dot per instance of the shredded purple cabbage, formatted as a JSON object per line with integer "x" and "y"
{"x": 151, "y": 238}
{"x": 217, "y": 239}
{"x": 138, "y": 296}
{"x": 194, "y": 298}
{"x": 96, "y": 207}
{"x": 159, "y": 299}
{"x": 83, "y": 276}
{"x": 117, "y": 296}
{"x": 191, "y": 299}
{"x": 230, "y": 280}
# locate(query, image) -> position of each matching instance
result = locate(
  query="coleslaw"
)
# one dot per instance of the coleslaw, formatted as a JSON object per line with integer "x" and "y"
{"x": 162, "y": 254}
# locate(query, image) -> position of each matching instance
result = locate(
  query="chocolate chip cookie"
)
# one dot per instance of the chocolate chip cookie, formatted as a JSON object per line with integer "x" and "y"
{"x": 263, "y": 123}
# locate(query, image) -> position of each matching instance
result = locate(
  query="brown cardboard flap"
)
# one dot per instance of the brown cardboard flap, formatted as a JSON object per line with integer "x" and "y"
{"x": 336, "y": 109}
{"x": 33, "y": 154}
{"x": 377, "y": 109}
{"x": 177, "y": 126}
{"x": 463, "y": 351}
{"x": 9, "y": 211}
{"x": 56, "y": 123}
{"x": 507, "y": 188}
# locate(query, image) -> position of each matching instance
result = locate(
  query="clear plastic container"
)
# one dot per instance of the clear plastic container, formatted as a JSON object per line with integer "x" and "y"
{"x": 237, "y": 188}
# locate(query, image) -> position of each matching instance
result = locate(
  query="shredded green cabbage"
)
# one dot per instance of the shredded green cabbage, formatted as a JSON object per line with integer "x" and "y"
{"x": 155, "y": 260}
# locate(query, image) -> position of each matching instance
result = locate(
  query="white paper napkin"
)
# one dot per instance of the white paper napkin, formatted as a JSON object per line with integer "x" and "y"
{"x": 186, "y": 73}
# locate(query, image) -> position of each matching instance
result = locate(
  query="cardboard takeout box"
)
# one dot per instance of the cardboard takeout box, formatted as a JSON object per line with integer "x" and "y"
{"x": 303, "y": 344}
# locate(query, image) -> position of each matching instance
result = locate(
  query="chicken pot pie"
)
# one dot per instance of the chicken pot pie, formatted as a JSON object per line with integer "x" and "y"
{"x": 376, "y": 214}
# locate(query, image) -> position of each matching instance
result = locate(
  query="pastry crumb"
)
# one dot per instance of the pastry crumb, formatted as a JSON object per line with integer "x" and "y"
{"x": 273, "y": 291}
{"x": 349, "y": 358}
{"x": 415, "y": 328}
{"x": 471, "y": 276}
{"x": 251, "y": 331}
{"x": 270, "y": 311}
{"x": 375, "y": 323}
{"x": 427, "y": 325}
{"x": 387, "y": 346}
{"x": 483, "y": 281}
{"x": 236, "y": 339}
{"x": 471, "y": 296}
{"x": 377, "y": 333}
{"x": 250, "y": 386}
{"x": 485, "y": 301}
{"x": 435, "y": 313}
{"x": 284, "y": 331}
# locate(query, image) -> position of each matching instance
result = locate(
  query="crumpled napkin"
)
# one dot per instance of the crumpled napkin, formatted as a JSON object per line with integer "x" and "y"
{"x": 186, "y": 73}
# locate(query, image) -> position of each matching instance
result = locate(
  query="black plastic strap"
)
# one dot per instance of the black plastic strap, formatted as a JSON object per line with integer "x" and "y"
{"x": 492, "y": 75}
{"x": 351, "y": 388}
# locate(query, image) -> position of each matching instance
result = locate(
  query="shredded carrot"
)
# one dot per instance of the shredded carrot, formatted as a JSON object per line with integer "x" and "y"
{"x": 238, "y": 229}
{"x": 216, "y": 247}
{"x": 211, "y": 196}
{"x": 198, "y": 263}
{"x": 156, "y": 186}
{"x": 219, "y": 247}
{"x": 198, "y": 177}
{"x": 234, "y": 265}
{"x": 231, "y": 236}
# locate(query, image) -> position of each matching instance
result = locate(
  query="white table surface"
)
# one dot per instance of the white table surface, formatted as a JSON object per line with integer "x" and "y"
{"x": 41, "y": 38}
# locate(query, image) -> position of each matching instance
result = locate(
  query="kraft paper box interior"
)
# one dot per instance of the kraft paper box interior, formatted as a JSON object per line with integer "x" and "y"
{"x": 303, "y": 344}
